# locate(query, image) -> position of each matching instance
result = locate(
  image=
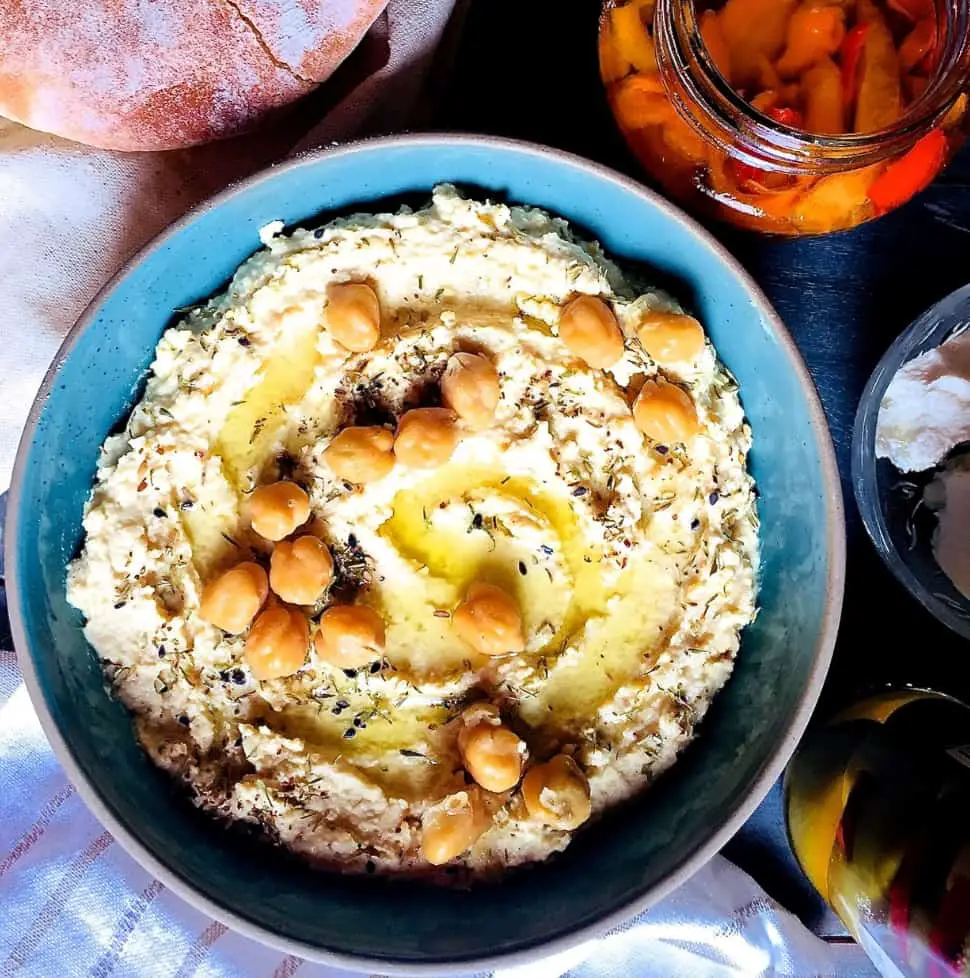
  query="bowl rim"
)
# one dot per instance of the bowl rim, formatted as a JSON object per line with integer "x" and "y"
{"x": 906, "y": 347}
{"x": 692, "y": 860}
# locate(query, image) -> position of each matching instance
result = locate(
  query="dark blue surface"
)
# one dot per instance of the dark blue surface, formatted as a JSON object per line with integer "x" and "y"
{"x": 631, "y": 851}
{"x": 844, "y": 298}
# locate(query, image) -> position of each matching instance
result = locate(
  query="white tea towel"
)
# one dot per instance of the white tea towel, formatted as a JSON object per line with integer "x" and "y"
{"x": 73, "y": 903}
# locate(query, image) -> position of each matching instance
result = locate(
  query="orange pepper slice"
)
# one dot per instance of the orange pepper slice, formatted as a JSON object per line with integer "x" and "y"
{"x": 835, "y": 201}
{"x": 822, "y": 93}
{"x": 714, "y": 41}
{"x": 814, "y": 32}
{"x": 910, "y": 174}
{"x": 755, "y": 31}
{"x": 633, "y": 41}
{"x": 880, "y": 99}
{"x": 639, "y": 101}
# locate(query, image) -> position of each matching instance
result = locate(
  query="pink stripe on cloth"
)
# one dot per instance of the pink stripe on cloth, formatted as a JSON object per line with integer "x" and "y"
{"x": 126, "y": 926}
{"x": 200, "y": 949}
{"x": 35, "y": 832}
{"x": 288, "y": 967}
{"x": 55, "y": 904}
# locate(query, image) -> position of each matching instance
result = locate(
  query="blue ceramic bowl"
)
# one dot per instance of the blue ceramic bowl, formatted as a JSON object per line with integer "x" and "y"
{"x": 634, "y": 856}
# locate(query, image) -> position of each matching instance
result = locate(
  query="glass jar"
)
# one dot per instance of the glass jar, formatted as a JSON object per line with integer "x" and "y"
{"x": 752, "y": 161}
{"x": 877, "y": 803}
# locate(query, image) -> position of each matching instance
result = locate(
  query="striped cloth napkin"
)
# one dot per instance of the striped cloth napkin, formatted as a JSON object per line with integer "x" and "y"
{"x": 72, "y": 902}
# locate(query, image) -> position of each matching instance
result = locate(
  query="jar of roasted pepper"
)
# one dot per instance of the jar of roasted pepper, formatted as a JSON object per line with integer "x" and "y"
{"x": 790, "y": 117}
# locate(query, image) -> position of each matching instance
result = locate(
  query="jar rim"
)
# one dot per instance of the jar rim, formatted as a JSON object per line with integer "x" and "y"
{"x": 681, "y": 50}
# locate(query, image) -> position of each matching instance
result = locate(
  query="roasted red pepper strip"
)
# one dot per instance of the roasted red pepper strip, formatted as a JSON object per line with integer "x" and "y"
{"x": 787, "y": 117}
{"x": 910, "y": 173}
{"x": 851, "y": 51}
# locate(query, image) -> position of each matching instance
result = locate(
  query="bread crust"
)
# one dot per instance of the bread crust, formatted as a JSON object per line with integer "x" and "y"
{"x": 164, "y": 74}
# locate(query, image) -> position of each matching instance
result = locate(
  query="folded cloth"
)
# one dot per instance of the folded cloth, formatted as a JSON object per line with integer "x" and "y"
{"x": 73, "y": 902}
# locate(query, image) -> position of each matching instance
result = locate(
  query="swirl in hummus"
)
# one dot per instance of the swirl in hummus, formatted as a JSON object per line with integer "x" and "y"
{"x": 516, "y": 607}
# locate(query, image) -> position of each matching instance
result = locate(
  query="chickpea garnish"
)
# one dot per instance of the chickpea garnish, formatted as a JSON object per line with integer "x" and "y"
{"x": 299, "y": 572}
{"x": 353, "y": 316}
{"x": 670, "y": 337}
{"x": 492, "y": 754}
{"x": 232, "y": 600}
{"x": 426, "y": 437}
{"x": 589, "y": 329}
{"x": 665, "y": 413}
{"x": 361, "y": 455}
{"x": 488, "y": 620}
{"x": 469, "y": 386}
{"x": 278, "y": 509}
{"x": 557, "y": 793}
{"x": 453, "y": 825}
{"x": 277, "y": 643}
{"x": 350, "y": 636}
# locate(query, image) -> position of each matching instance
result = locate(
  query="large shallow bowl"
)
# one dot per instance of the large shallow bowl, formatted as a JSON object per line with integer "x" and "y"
{"x": 890, "y": 501}
{"x": 614, "y": 869}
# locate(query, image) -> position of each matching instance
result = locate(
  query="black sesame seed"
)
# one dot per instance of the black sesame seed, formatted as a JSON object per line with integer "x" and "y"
{"x": 714, "y": 497}
{"x": 119, "y": 604}
{"x": 478, "y": 521}
{"x": 350, "y": 673}
{"x": 694, "y": 524}
{"x": 184, "y": 720}
{"x": 187, "y": 504}
{"x": 243, "y": 341}
{"x": 579, "y": 491}
{"x": 547, "y": 550}
{"x": 370, "y": 866}
{"x": 375, "y": 667}
{"x": 161, "y": 651}
{"x": 343, "y": 704}
{"x": 350, "y": 733}
{"x": 358, "y": 723}
{"x": 319, "y": 233}
{"x": 224, "y": 675}
{"x": 337, "y": 710}
{"x": 238, "y": 676}
{"x": 661, "y": 449}
{"x": 352, "y": 540}
{"x": 159, "y": 512}
{"x": 522, "y": 568}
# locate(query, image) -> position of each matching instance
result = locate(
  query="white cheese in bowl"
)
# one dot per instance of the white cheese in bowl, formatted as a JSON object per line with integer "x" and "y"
{"x": 925, "y": 412}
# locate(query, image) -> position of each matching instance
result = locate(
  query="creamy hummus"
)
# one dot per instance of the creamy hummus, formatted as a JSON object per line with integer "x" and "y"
{"x": 632, "y": 562}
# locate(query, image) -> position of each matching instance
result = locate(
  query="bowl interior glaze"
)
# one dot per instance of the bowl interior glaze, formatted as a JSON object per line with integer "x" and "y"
{"x": 615, "y": 868}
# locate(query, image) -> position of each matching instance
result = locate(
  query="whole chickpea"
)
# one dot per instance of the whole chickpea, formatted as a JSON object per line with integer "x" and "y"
{"x": 361, "y": 455}
{"x": 670, "y": 337}
{"x": 665, "y": 413}
{"x": 299, "y": 572}
{"x": 353, "y": 315}
{"x": 557, "y": 793}
{"x": 492, "y": 754}
{"x": 277, "y": 643}
{"x": 278, "y": 509}
{"x": 589, "y": 329}
{"x": 453, "y": 825}
{"x": 489, "y": 621}
{"x": 469, "y": 386}
{"x": 426, "y": 437}
{"x": 232, "y": 600}
{"x": 350, "y": 636}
